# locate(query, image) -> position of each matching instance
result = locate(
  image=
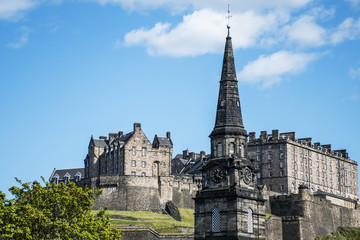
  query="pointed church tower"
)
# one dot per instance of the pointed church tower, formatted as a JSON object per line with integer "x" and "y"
{"x": 229, "y": 204}
{"x": 229, "y": 135}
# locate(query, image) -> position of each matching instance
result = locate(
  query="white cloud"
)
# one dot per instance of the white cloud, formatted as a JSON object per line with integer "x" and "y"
{"x": 354, "y": 2}
{"x": 178, "y": 6}
{"x": 305, "y": 31}
{"x": 202, "y": 32}
{"x": 12, "y": 9}
{"x": 354, "y": 73}
{"x": 269, "y": 70}
{"x": 22, "y": 40}
{"x": 349, "y": 29}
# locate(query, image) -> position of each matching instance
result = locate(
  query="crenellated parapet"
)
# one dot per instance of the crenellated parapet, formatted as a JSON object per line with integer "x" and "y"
{"x": 276, "y": 137}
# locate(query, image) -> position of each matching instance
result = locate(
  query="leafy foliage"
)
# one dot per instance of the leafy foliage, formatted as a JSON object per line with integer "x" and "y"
{"x": 53, "y": 212}
{"x": 343, "y": 233}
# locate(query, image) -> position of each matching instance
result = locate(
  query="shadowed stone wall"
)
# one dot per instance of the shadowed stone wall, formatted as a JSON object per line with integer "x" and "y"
{"x": 306, "y": 216}
{"x": 138, "y": 193}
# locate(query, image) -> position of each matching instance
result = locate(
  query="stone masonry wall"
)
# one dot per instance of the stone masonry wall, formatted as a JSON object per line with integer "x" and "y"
{"x": 305, "y": 216}
{"x": 137, "y": 193}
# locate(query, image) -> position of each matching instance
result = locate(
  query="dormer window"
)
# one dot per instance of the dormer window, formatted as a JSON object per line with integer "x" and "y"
{"x": 78, "y": 176}
{"x": 56, "y": 178}
{"x": 67, "y": 178}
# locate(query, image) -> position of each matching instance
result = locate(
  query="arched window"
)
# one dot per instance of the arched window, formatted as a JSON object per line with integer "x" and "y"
{"x": 215, "y": 221}
{"x": 219, "y": 149}
{"x": 231, "y": 148}
{"x": 250, "y": 221}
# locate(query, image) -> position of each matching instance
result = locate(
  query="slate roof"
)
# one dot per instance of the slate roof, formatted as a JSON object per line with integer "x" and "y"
{"x": 196, "y": 167}
{"x": 184, "y": 161}
{"x": 72, "y": 172}
{"x": 100, "y": 143}
{"x": 164, "y": 141}
{"x": 126, "y": 137}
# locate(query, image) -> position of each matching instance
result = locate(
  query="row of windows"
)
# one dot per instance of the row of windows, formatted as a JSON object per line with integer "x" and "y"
{"x": 270, "y": 147}
{"x": 270, "y": 174}
{"x": 231, "y": 149}
{"x": 270, "y": 156}
{"x": 281, "y": 187}
{"x": 216, "y": 220}
{"x": 270, "y": 165}
{"x": 133, "y": 173}
{"x": 143, "y": 152}
{"x": 133, "y": 163}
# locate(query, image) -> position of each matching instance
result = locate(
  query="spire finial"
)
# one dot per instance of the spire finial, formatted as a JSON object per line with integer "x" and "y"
{"x": 228, "y": 18}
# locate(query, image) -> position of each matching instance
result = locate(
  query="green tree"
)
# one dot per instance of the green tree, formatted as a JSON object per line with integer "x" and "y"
{"x": 53, "y": 212}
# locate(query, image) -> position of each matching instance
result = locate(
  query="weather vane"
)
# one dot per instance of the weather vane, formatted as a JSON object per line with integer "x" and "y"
{"x": 228, "y": 18}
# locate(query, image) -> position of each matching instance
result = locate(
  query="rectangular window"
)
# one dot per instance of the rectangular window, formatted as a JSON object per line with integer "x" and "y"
{"x": 282, "y": 173}
{"x": 133, "y": 151}
{"x": 281, "y": 164}
{"x": 270, "y": 187}
{"x": 269, "y": 156}
{"x": 258, "y": 175}
{"x": 133, "y": 163}
{"x": 143, "y": 164}
{"x": 269, "y": 147}
{"x": 258, "y": 149}
{"x": 258, "y": 157}
{"x": 219, "y": 149}
{"x": 144, "y": 151}
{"x": 281, "y": 188}
{"x": 143, "y": 174}
{"x": 259, "y": 166}
{"x": 281, "y": 147}
{"x": 281, "y": 155}
{"x": 164, "y": 153}
{"x": 270, "y": 166}
{"x": 133, "y": 173}
{"x": 270, "y": 174}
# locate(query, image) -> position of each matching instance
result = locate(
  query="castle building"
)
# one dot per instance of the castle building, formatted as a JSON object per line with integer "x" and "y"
{"x": 129, "y": 154}
{"x": 286, "y": 162}
{"x": 134, "y": 173}
{"x": 229, "y": 204}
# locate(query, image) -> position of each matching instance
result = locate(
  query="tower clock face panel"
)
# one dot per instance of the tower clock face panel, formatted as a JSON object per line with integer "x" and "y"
{"x": 247, "y": 176}
{"x": 217, "y": 175}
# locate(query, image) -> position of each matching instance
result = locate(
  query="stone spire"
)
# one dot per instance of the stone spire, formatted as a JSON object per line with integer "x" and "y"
{"x": 228, "y": 115}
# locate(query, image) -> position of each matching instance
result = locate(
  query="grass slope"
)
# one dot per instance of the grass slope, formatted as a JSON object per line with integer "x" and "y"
{"x": 160, "y": 222}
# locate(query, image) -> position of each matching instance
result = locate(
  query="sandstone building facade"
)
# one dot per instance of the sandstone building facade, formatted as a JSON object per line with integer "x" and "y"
{"x": 134, "y": 173}
{"x": 286, "y": 162}
{"x": 130, "y": 154}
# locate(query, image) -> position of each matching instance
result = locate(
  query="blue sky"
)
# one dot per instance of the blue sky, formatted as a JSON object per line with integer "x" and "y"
{"x": 70, "y": 69}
